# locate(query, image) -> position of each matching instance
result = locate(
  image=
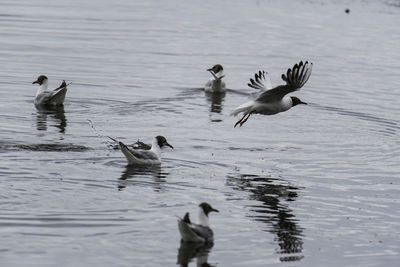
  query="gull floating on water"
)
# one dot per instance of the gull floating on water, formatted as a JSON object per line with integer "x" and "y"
{"x": 201, "y": 232}
{"x": 216, "y": 85}
{"x": 142, "y": 156}
{"x": 274, "y": 100}
{"x": 49, "y": 98}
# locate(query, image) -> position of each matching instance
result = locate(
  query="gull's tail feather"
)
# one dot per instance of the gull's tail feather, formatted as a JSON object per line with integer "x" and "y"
{"x": 261, "y": 81}
{"x": 297, "y": 76}
{"x": 186, "y": 231}
{"x": 62, "y": 85}
{"x": 245, "y": 108}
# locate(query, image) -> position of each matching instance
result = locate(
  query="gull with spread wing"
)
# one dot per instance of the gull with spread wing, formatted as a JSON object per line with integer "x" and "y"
{"x": 274, "y": 100}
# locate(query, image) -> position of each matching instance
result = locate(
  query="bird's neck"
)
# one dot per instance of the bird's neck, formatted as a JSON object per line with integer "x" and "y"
{"x": 156, "y": 148}
{"x": 219, "y": 74}
{"x": 286, "y": 103}
{"x": 42, "y": 88}
{"x": 203, "y": 218}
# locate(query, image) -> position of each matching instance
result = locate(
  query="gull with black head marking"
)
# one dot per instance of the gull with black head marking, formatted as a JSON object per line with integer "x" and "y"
{"x": 216, "y": 85}
{"x": 55, "y": 97}
{"x": 274, "y": 100}
{"x": 200, "y": 232}
{"x": 143, "y": 156}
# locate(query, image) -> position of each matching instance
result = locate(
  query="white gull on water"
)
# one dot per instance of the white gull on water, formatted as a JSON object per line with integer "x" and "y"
{"x": 143, "y": 156}
{"x": 216, "y": 85}
{"x": 200, "y": 232}
{"x": 55, "y": 97}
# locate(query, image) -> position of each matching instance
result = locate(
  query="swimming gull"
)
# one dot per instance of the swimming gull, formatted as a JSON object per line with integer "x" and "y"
{"x": 216, "y": 85}
{"x": 201, "y": 232}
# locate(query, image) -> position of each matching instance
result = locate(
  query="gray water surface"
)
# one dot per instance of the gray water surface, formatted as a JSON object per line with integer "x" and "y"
{"x": 315, "y": 186}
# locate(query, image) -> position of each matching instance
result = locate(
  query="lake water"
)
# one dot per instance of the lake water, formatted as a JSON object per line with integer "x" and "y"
{"x": 315, "y": 186}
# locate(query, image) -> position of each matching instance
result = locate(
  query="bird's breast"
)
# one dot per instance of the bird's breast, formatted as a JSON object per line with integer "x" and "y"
{"x": 272, "y": 108}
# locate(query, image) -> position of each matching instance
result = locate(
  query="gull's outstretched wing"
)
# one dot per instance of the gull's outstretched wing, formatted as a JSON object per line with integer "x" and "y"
{"x": 295, "y": 78}
{"x": 261, "y": 81}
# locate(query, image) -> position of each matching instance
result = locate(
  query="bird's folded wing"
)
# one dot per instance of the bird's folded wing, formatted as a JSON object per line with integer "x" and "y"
{"x": 44, "y": 97}
{"x": 138, "y": 153}
{"x": 187, "y": 232}
{"x": 51, "y": 96}
{"x": 59, "y": 95}
{"x": 202, "y": 231}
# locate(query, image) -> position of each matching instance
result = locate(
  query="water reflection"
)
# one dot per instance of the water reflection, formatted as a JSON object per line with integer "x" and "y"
{"x": 143, "y": 175}
{"x": 215, "y": 100}
{"x": 274, "y": 210}
{"x": 56, "y": 115}
{"x": 189, "y": 251}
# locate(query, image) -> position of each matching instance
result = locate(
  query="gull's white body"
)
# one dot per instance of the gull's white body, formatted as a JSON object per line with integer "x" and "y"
{"x": 265, "y": 108}
{"x": 215, "y": 86}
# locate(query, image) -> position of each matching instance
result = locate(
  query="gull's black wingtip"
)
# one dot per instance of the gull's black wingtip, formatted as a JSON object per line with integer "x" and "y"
{"x": 186, "y": 218}
{"x": 113, "y": 139}
{"x": 122, "y": 145}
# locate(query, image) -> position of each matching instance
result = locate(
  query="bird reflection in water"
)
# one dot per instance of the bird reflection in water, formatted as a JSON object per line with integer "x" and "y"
{"x": 56, "y": 117}
{"x": 189, "y": 251}
{"x": 143, "y": 175}
{"x": 215, "y": 99}
{"x": 274, "y": 211}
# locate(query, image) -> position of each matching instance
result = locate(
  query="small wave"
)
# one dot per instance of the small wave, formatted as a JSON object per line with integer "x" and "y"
{"x": 390, "y": 127}
{"x": 49, "y": 147}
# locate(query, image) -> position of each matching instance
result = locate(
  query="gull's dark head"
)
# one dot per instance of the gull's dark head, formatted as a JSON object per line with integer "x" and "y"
{"x": 207, "y": 208}
{"x": 297, "y": 101}
{"x": 161, "y": 141}
{"x": 216, "y": 68}
{"x": 40, "y": 80}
